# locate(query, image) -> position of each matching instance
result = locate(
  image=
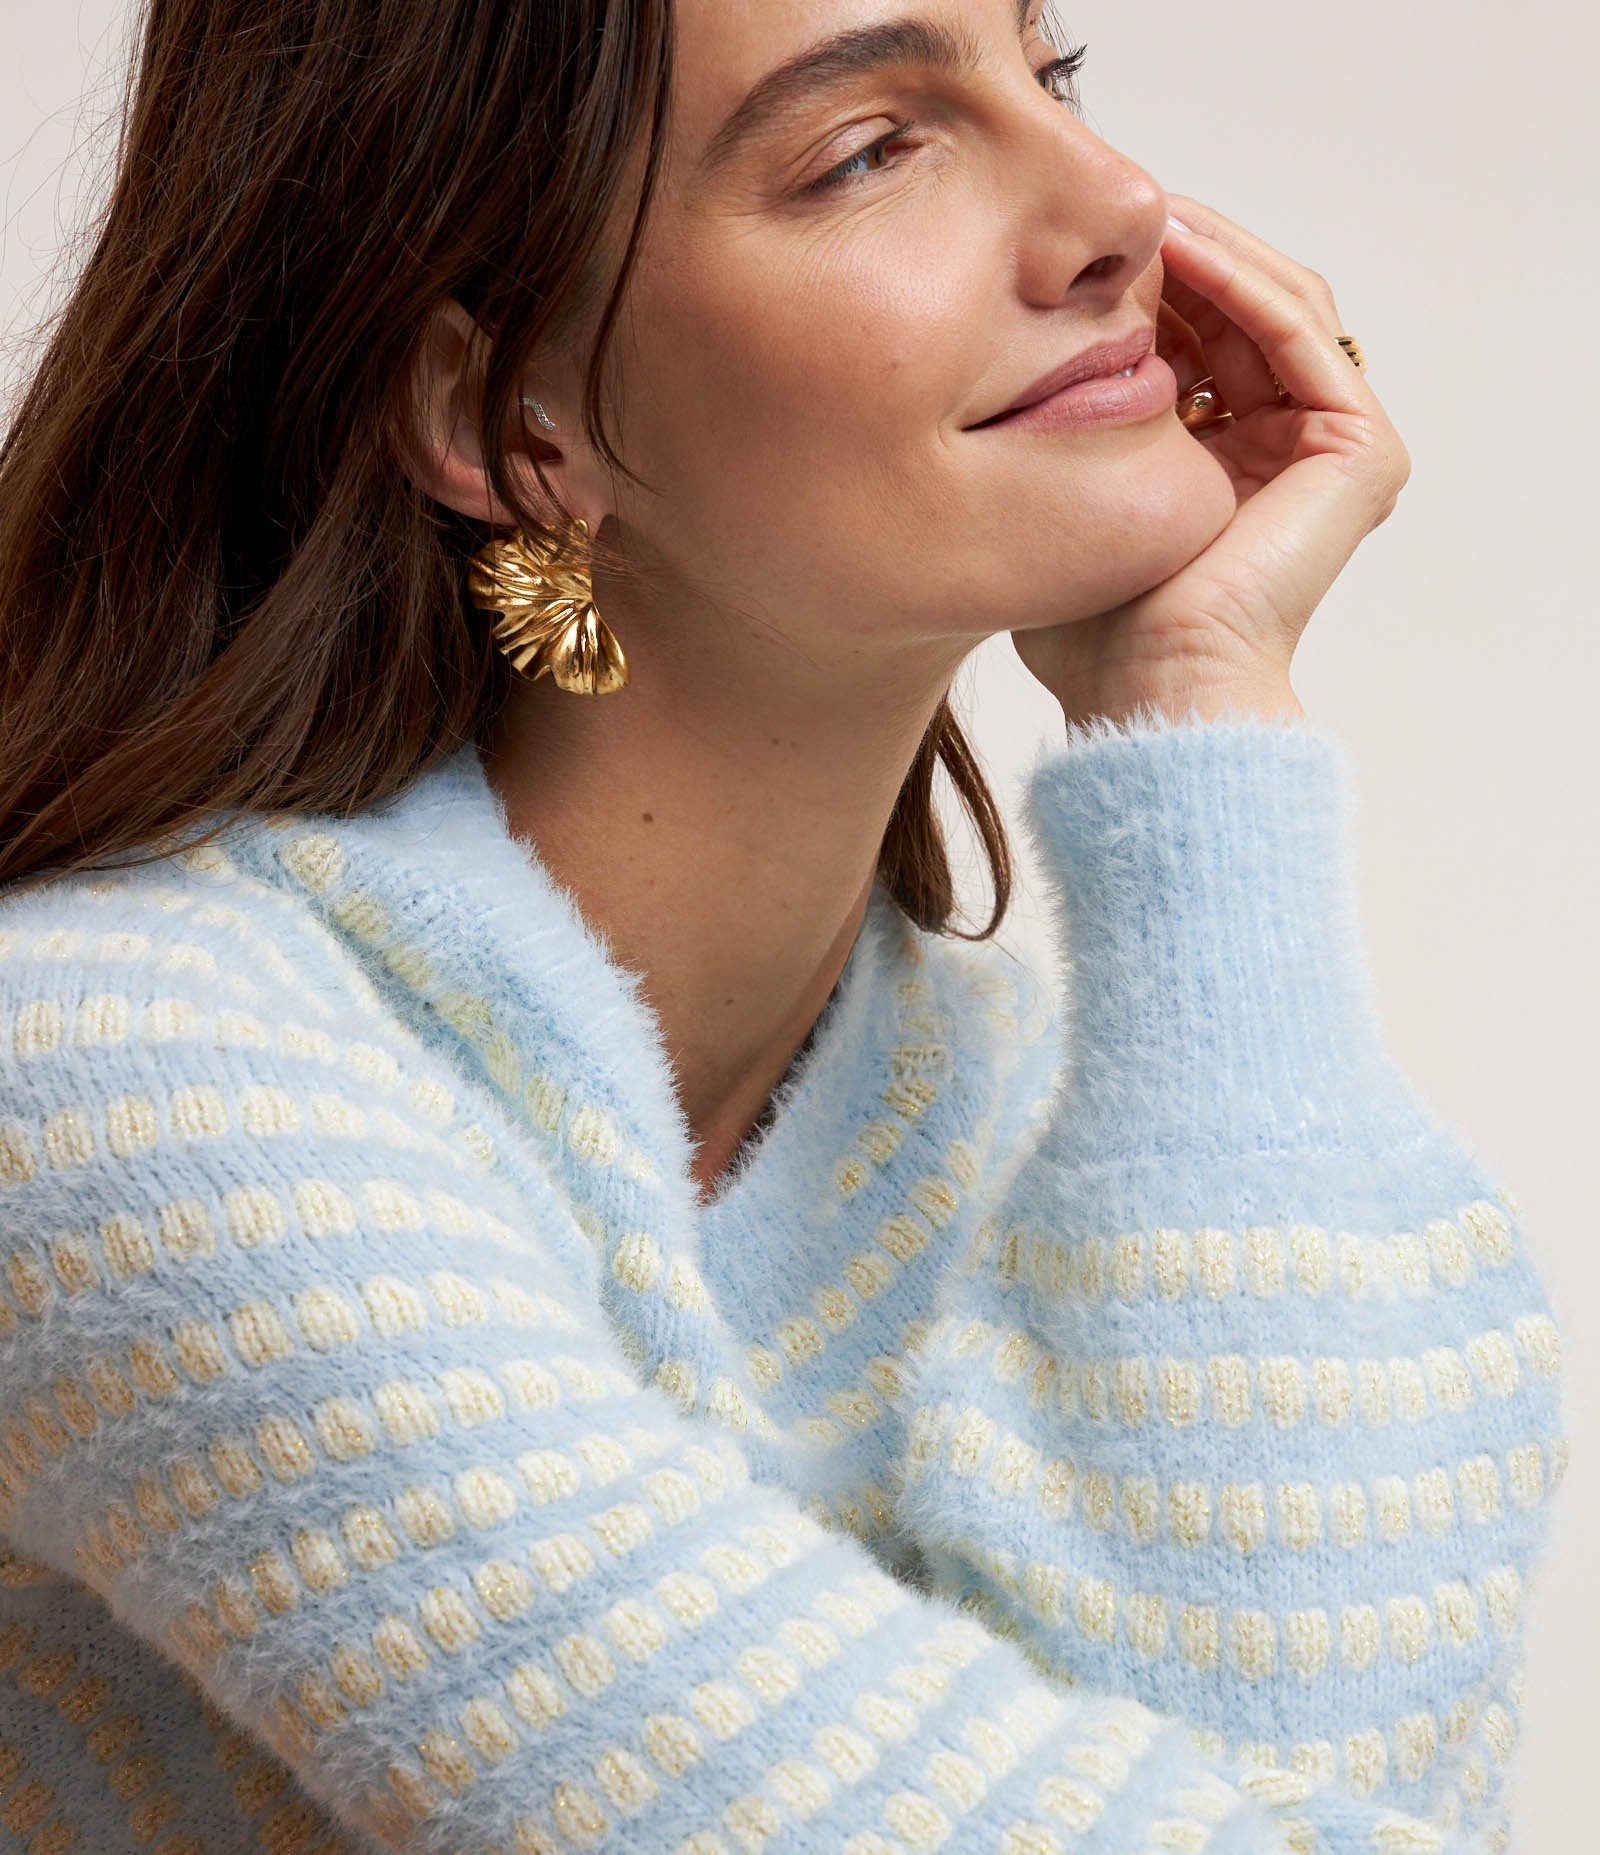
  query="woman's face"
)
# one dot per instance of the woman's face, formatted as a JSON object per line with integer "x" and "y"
{"x": 820, "y": 316}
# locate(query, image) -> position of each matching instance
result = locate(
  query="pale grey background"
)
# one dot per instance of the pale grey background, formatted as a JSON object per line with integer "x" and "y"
{"x": 1438, "y": 163}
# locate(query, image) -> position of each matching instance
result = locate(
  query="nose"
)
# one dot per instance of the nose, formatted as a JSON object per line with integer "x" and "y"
{"x": 1089, "y": 222}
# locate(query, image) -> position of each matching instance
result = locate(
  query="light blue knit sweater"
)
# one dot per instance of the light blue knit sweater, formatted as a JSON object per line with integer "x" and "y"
{"x": 1121, "y": 1430}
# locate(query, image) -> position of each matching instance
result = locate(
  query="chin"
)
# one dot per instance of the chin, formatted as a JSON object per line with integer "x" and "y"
{"x": 1149, "y": 523}
{"x": 1176, "y": 506}
{"x": 1215, "y": 501}
{"x": 1058, "y": 592}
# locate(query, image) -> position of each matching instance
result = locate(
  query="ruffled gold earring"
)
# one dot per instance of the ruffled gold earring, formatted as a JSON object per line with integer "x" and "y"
{"x": 544, "y": 593}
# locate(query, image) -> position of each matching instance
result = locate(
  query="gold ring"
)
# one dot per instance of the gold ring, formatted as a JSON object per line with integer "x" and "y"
{"x": 1351, "y": 346}
{"x": 1201, "y": 405}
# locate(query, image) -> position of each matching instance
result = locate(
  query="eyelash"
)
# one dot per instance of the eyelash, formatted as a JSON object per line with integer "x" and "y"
{"x": 1048, "y": 75}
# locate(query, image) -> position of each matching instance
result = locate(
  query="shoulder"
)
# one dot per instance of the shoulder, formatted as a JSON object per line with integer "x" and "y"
{"x": 183, "y": 1033}
{"x": 187, "y": 961}
{"x": 99, "y": 952}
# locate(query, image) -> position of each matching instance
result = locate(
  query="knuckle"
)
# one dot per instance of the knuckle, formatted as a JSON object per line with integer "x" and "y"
{"x": 1388, "y": 497}
{"x": 1398, "y": 473}
{"x": 1375, "y": 489}
{"x": 1382, "y": 467}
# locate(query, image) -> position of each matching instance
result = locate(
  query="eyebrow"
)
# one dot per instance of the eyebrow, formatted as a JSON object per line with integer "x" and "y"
{"x": 836, "y": 60}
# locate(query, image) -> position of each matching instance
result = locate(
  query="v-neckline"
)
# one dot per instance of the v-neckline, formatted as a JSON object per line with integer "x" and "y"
{"x": 530, "y": 917}
{"x": 849, "y": 1022}
{"x": 462, "y": 932}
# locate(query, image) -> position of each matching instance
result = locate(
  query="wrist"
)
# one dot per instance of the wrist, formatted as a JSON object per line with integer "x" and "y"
{"x": 1182, "y": 701}
{"x": 1220, "y": 992}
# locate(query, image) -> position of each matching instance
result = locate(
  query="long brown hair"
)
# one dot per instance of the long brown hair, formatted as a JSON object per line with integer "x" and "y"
{"x": 219, "y": 588}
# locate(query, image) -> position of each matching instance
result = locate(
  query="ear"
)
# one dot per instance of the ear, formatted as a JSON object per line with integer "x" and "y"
{"x": 446, "y": 453}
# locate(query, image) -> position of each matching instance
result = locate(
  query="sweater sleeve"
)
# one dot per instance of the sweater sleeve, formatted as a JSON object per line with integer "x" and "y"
{"x": 297, "y": 1387}
{"x": 1247, "y": 1403}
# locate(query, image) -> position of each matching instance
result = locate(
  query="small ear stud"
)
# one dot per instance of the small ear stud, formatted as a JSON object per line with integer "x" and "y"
{"x": 539, "y": 413}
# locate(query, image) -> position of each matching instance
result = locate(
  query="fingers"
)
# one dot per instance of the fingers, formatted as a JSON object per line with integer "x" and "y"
{"x": 1306, "y": 283}
{"x": 1226, "y": 352}
{"x": 1179, "y": 346}
{"x": 1291, "y": 334}
{"x": 1231, "y": 355}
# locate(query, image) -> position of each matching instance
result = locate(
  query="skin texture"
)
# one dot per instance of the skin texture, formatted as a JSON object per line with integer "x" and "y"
{"x": 826, "y": 542}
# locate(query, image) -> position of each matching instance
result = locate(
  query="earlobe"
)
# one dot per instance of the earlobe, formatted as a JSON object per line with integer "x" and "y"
{"x": 564, "y": 454}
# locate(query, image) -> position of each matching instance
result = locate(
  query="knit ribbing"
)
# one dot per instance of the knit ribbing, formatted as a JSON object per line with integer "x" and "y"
{"x": 391, "y": 1449}
{"x": 1241, "y": 960}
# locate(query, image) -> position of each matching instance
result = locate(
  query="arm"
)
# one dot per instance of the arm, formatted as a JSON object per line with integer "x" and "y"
{"x": 1255, "y": 1361}
{"x": 303, "y": 1395}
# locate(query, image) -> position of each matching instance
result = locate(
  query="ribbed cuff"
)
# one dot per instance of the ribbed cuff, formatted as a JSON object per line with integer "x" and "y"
{"x": 1217, "y": 988}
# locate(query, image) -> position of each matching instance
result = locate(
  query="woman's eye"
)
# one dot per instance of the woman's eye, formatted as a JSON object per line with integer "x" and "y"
{"x": 849, "y": 169}
{"x": 1052, "y": 76}
{"x": 1064, "y": 71}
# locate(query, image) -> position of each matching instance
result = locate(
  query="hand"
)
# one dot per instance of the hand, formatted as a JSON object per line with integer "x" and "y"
{"x": 1312, "y": 479}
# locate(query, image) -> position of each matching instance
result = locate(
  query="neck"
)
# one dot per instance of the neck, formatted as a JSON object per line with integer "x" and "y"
{"x": 721, "y": 833}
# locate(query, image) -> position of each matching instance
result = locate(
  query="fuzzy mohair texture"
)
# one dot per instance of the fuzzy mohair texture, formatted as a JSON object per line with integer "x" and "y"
{"x": 1082, "y": 1425}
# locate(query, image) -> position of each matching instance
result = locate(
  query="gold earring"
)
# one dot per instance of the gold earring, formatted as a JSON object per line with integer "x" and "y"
{"x": 544, "y": 594}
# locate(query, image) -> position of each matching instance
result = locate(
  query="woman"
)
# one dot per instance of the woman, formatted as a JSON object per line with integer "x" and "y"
{"x": 549, "y": 1301}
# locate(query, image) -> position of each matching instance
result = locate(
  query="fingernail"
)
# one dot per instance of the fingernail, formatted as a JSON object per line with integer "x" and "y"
{"x": 1173, "y": 219}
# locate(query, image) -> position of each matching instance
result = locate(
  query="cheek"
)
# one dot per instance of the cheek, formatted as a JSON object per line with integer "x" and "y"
{"x": 869, "y": 338}
{"x": 890, "y": 330}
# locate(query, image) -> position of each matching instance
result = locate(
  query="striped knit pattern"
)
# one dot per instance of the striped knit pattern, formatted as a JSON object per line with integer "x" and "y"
{"x": 1120, "y": 1426}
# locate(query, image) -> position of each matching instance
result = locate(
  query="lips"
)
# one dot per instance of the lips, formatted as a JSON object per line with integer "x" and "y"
{"x": 1105, "y": 357}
